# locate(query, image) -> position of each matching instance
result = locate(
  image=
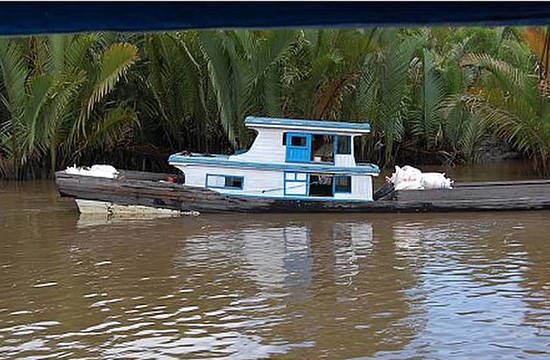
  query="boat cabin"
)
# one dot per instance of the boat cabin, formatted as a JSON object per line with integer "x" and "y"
{"x": 290, "y": 159}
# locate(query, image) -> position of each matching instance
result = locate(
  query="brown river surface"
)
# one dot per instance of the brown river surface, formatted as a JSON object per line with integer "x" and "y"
{"x": 388, "y": 286}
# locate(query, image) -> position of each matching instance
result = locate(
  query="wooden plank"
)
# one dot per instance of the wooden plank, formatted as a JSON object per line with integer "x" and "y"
{"x": 487, "y": 192}
{"x": 501, "y": 183}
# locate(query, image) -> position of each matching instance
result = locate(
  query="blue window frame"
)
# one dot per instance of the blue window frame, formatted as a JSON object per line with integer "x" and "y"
{"x": 342, "y": 184}
{"x": 298, "y": 147}
{"x": 294, "y": 180}
{"x": 218, "y": 181}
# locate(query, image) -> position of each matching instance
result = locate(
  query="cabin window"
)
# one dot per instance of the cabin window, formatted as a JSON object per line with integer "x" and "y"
{"x": 290, "y": 176}
{"x": 284, "y": 138}
{"x": 320, "y": 185}
{"x": 322, "y": 148}
{"x": 342, "y": 184}
{"x": 344, "y": 145}
{"x": 295, "y": 184}
{"x": 298, "y": 141}
{"x": 224, "y": 181}
{"x": 235, "y": 182}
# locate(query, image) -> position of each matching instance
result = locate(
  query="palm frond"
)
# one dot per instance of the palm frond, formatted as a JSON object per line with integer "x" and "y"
{"x": 219, "y": 73}
{"x": 393, "y": 92}
{"x": 114, "y": 63}
{"x": 14, "y": 75}
{"x": 40, "y": 89}
{"x": 77, "y": 47}
{"x": 112, "y": 129}
{"x": 429, "y": 123}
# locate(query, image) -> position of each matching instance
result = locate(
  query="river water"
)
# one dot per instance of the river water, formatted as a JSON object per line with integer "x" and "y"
{"x": 389, "y": 286}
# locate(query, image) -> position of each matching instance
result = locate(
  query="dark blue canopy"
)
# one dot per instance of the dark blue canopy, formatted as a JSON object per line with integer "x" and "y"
{"x": 63, "y": 17}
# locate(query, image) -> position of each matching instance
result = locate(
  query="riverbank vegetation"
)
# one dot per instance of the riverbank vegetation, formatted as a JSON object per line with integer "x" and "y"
{"x": 432, "y": 95}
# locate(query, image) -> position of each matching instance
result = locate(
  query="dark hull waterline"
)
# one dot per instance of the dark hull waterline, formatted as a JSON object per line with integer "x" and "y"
{"x": 147, "y": 189}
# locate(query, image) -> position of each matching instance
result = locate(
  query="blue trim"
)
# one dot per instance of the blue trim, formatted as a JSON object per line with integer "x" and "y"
{"x": 292, "y": 149}
{"x": 285, "y": 181}
{"x": 360, "y": 169}
{"x": 334, "y": 178}
{"x": 299, "y": 123}
{"x": 225, "y": 177}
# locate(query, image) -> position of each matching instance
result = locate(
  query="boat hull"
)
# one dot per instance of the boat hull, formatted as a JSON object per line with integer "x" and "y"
{"x": 150, "y": 191}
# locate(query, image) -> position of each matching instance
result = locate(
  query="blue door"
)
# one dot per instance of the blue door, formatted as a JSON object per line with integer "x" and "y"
{"x": 298, "y": 147}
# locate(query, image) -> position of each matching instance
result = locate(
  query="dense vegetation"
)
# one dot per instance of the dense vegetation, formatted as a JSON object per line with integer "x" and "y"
{"x": 432, "y": 95}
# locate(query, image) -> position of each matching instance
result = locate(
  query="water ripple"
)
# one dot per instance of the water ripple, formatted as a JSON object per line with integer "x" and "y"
{"x": 246, "y": 287}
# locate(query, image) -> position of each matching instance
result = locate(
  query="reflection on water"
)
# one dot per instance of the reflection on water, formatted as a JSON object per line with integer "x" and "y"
{"x": 273, "y": 257}
{"x": 245, "y": 287}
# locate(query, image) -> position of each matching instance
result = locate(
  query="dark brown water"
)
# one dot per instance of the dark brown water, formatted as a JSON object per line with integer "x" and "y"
{"x": 246, "y": 287}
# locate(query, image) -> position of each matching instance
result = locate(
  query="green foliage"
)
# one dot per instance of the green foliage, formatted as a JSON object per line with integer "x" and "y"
{"x": 56, "y": 105}
{"x": 515, "y": 105}
{"x": 431, "y": 95}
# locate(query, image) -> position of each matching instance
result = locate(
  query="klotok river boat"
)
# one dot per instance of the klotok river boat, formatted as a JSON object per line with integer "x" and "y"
{"x": 292, "y": 166}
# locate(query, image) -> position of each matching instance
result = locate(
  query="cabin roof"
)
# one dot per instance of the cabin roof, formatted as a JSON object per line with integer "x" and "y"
{"x": 224, "y": 162}
{"x": 300, "y": 124}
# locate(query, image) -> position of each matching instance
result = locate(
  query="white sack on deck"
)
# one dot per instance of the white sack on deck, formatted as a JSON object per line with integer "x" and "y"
{"x": 410, "y": 178}
{"x": 435, "y": 181}
{"x": 104, "y": 171}
{"x": 407, "y": 178}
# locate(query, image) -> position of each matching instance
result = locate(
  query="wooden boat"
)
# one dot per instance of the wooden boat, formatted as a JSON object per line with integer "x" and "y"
{"x": 150, "y": 190}
{"x": 292, "y": 166}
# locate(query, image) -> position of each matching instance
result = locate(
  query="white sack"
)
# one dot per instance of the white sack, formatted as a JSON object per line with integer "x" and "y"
{"x": 407, "y": 178}
{"x": 410, "y": 178}
{"x": 104, "y": 171}
{"x": 435, "y": 181}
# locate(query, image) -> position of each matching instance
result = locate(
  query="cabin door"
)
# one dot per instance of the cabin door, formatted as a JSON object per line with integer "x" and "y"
{"x": 298, "y": 147}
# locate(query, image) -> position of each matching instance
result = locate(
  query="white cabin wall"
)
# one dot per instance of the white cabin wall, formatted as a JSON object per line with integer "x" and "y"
{"x": 267, "y": 147}
{"x": 361, "y": 189}
{"x": 255, "y": 181}
{"x": 364, "y": 187}
{"x": 344, "y": 160}
{"x": 193, "y": 176}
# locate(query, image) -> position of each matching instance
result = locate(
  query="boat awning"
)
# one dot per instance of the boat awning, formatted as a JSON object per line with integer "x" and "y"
{"x": 23, "y": 18}
{"x": 308, "y": 125}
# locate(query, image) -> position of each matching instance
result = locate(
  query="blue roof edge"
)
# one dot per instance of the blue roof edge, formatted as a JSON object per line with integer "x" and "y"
{"x": 252, "y": 120}
{"x": 362, "y": 168}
